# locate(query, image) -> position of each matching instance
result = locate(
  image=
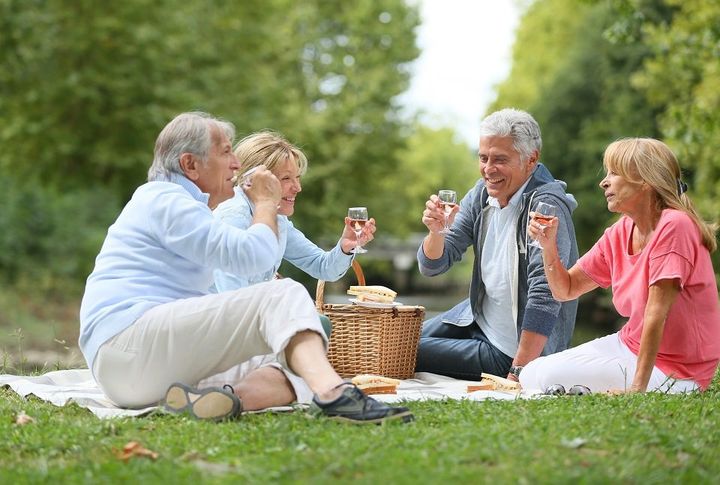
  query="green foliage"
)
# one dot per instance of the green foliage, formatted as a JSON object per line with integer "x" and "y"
{"x": 433, "y": 159}
{"x": 652, "y": 438}
{"x": 86, "y": 87}
{"x": 585, "y": 101}
{"x": 48, "y": 239}
{"x": 682, "y": 78}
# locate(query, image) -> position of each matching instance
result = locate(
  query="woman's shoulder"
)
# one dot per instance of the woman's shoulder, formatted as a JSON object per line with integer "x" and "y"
{"x": 237, "y": 208}
{"x": 676, "y": 217}
{"x": 678, "y": 223}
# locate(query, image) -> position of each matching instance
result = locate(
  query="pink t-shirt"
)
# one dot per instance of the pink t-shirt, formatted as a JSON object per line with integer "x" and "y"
{"x": 690, "y": 345}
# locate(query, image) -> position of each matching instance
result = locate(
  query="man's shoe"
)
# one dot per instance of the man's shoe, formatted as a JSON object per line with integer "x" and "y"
{"x": 352, "y": 406}
{"x": 213, "y": 403}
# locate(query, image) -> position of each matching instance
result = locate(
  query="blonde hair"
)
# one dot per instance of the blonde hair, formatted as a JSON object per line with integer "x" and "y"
{"x": 651, "y": 161}
{"x": 270, "y": 149}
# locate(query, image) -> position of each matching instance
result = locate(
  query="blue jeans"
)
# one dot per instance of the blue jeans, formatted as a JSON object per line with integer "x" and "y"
{"x": 462, "y": 352}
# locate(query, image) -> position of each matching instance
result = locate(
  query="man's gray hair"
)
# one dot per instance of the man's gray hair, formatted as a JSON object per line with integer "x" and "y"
{"x": 186, "y": 133}
{"x": 519, "y": 125}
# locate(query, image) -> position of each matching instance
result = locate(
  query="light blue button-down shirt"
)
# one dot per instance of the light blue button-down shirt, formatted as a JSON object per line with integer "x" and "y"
{"x": 164, "y": 247}
{"x": 292, "y": 246}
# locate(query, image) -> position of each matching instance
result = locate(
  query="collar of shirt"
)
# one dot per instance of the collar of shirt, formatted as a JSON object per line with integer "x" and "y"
{"x": 187, "y": 184}
{"x": 514, "y": 200}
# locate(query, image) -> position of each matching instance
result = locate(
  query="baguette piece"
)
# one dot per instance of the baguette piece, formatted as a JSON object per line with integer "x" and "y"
{"x": 374, "y": 384}
{"x": 490, "y": 382}
{"x": 375, "y": 293}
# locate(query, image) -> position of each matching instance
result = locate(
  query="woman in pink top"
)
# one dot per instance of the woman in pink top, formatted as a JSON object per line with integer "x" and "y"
{"x": 657, "y": 260}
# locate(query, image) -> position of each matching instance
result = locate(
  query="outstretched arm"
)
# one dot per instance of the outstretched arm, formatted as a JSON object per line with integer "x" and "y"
{"x": 565, "y": 284}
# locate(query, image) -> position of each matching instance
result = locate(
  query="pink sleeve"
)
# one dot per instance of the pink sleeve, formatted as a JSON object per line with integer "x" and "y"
{"x": 595, "y": 263}
{"x": 674, "y": 252}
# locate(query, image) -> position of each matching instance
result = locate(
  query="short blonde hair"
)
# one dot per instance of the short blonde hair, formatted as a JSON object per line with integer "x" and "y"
{"x": 651, "y": 161}
{"x": 270, "y": 149}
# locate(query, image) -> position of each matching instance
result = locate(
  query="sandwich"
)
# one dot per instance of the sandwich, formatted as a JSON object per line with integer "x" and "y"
{"x": 373, "y": 293}
{"x": 372, "y": 384}
{"x": 491, "y": 382}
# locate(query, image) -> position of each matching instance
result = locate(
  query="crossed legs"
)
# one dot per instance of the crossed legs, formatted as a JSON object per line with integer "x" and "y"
{"x": 189, "y": 340}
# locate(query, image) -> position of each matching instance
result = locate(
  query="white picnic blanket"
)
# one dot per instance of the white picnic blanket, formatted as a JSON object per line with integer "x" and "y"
{"x": 78, "y": 386}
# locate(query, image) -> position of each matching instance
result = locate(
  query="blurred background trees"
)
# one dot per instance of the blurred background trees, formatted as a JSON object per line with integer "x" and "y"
{"x": 86, "y": 86}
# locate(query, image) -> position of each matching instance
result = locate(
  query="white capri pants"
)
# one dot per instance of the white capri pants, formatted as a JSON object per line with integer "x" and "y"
{"x": 601, "y": 365}
{"x": 191, "y": 339}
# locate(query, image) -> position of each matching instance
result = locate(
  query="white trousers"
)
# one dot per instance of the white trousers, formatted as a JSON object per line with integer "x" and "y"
{"x": 235, "y": 374}
{"x": 601, "y": 365}
{"x": 192, "y": 339}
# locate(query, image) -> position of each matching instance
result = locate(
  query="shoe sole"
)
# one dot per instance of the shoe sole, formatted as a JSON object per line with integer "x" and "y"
{"x": 406, "y": 417}
{"x": 209, "y": 404}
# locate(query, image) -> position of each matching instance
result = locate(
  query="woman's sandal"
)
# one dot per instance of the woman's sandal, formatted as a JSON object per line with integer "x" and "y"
{"x": 211, "y": 403}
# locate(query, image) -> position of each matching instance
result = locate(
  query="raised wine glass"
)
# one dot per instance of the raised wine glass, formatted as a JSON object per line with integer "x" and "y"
{"x": 448, "y": 200}
{"x": 358, "y": 217}
{"x": 544, "y": 212}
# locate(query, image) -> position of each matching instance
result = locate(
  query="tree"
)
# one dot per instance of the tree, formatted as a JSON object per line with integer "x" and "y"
{"x": 433, "y": 159}
{"x": 86, "y": 87}
{"x": 585, "y": 101}
{"x": 681, "y": 78}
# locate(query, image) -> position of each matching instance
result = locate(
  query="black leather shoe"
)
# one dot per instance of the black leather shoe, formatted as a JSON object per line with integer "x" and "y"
{"x": 352, "y": 406}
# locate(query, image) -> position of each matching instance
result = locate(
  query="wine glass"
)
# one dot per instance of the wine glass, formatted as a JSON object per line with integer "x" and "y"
{"x": 448, "y": 201}
{"x": 358, "y": 217}
{"x": 544, "y": 212}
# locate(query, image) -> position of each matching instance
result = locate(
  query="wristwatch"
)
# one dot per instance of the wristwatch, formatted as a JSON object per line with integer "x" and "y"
{"x": 515, "y": 370}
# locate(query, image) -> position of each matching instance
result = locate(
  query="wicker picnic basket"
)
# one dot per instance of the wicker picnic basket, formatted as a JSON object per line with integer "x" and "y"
{"x": 367, "y": 340}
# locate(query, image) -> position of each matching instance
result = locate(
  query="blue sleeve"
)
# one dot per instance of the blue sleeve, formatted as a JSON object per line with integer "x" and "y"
{"x": 188, "y": 228}
{"x": 238, "y": 213}
{"x": 318, "y": 263}
{"x": 457, "y": 242}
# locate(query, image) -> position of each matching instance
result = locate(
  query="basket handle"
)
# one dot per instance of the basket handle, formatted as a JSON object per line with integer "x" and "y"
{"x": 320, "y": 291}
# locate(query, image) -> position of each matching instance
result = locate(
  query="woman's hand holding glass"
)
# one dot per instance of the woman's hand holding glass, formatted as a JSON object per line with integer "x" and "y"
{"x": 542, "y": 227}
{"x": 349, "y": 240}
{"x": 360, "y": 224}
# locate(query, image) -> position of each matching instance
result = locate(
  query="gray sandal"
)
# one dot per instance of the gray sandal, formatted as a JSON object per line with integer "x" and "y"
{"x": 212, "y": 403}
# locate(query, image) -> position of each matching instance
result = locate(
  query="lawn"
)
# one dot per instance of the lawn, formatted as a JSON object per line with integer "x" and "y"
{"x": 643, "y": 438}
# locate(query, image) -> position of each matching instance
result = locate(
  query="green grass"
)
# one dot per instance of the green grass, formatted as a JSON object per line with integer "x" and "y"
{"x": 649, "y": 438}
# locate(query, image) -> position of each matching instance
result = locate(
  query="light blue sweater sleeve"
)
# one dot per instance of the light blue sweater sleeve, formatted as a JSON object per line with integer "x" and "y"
{"x": 293, "y": 245}
{"x": 163, "y": 247}
{"x": 315, "y": 261}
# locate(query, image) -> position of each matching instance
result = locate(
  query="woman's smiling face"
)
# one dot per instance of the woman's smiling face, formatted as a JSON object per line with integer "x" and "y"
{"x": 288, "y": 174}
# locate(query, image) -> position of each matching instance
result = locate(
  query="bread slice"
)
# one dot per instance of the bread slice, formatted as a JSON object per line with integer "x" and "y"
{"x": 374, "y": 384}
{"x": 374, "y": 293}
{"x": 490, "y": 382}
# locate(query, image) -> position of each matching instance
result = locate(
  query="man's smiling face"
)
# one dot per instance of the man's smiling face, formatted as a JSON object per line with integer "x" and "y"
{"x": 502, "y": 167}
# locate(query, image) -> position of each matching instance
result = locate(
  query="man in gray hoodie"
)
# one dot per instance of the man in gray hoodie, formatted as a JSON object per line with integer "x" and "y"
{"x": 511, "y": 317}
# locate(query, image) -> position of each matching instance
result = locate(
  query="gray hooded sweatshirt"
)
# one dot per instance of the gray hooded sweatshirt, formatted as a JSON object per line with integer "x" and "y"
{"x": 534, "y": 307}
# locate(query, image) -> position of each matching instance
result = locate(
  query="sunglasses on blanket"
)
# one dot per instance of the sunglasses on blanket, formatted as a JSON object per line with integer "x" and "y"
{"x": 559, "y": 390}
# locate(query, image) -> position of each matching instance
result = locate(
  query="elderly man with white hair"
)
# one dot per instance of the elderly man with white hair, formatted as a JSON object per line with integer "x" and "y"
{"x": 149, "y": 328}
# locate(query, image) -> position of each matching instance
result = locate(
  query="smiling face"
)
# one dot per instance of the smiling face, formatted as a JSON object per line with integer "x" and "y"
{"x": 502, "y": 167}
{"x": 288, "y": 174}
{"x": 214, "y": 177}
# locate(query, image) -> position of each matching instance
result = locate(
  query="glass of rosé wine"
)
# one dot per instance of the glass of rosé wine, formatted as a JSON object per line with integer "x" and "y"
{"x": 448, "y": 201}
{"x": 358, "y": 217}
{"x": 544, "y": 212}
